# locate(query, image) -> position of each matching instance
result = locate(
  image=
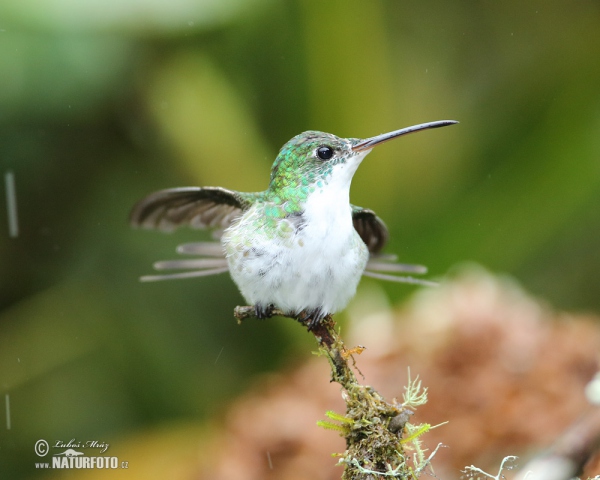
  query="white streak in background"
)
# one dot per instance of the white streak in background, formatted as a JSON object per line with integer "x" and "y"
{"x": 11, "y": 204}
{"x": 269, "y": 459}
{"x": 7, "y": 400}
{"x": 219, "y": 355}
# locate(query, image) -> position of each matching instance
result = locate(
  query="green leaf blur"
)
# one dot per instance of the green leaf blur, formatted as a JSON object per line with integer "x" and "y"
{"x": 104, "y": 102}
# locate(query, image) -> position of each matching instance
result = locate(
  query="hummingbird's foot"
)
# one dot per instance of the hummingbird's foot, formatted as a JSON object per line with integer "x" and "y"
{"x": 313, "y": 318}
{"x": 262, "y": 311}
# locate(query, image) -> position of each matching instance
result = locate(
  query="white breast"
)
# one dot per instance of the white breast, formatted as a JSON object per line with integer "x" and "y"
{"x": 318, "y": 266}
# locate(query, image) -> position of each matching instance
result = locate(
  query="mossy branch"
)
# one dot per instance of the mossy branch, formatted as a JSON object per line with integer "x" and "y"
{"x": 372, "y": 427}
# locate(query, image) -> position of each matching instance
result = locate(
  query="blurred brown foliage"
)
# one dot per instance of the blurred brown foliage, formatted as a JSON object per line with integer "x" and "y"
{"x": 504, "y": 370}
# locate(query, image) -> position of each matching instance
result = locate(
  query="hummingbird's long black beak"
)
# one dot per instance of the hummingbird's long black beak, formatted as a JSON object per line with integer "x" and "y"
{"x": 384, "y": 137}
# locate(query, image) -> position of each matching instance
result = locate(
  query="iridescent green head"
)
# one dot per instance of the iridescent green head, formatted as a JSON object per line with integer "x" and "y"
{"x": 314, "y": 159}
{"x": 309, "y": 158}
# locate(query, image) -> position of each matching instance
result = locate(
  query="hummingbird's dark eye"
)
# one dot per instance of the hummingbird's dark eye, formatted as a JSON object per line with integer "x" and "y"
{"x": 325, "y": 153}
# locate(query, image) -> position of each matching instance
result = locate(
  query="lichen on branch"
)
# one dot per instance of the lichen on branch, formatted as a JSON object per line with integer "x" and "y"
{"x": 378, "y": 433}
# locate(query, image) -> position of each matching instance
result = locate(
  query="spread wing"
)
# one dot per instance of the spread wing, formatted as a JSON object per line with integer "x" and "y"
{"x": 196, "y": 207}
{"x": 375, "y": 234}
{"x": 215, "y": 207}
{"x": 370, "y": 227}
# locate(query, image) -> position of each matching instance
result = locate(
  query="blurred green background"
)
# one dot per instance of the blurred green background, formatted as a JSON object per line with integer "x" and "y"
{"x": 102, "y": 102}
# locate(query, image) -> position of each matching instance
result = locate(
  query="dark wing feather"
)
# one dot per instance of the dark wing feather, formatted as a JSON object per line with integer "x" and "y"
{"x": 370, "y": 227}
{"x": 196, "y": 207}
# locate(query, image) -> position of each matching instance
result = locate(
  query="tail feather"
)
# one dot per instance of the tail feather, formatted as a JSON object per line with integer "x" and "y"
{"x": 216, "y": 263}
{"x": 378, "y": 266}
{"x": 200, "y": 267}
{"x": 196, "y": 263}
{"x": 399, "y": 279}
{"x": 175, "y": 276}
{"x": 208, "y": 249}
{"x": 387, "y": 263}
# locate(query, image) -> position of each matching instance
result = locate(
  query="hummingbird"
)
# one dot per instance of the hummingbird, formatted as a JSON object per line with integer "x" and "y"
{"x": 300, "y": 246}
